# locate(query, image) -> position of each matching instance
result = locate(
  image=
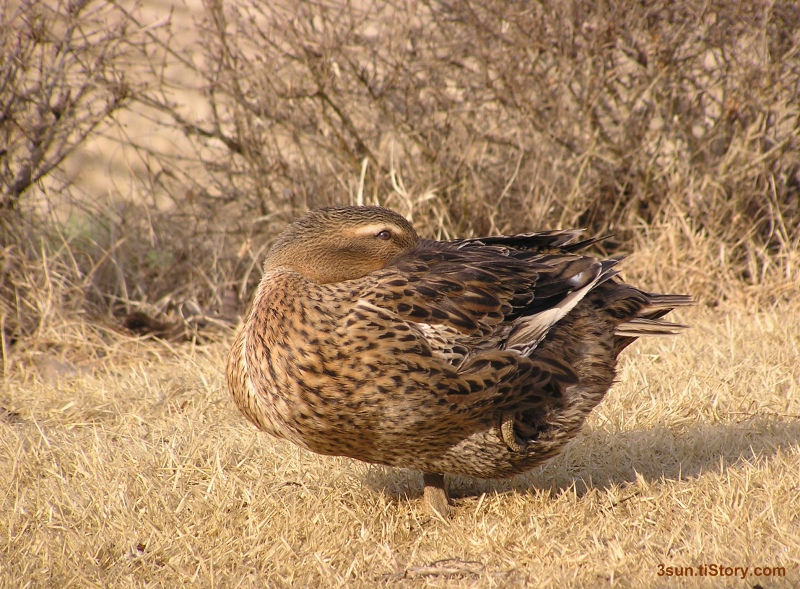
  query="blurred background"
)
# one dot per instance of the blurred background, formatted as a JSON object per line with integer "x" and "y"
{"x": 150, "y": 151}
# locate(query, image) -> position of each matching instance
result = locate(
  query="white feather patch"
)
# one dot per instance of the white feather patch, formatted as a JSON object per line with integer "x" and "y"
{"x": 532, "y": 330}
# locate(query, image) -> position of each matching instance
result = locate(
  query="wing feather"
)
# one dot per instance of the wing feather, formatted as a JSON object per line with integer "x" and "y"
{"x": 487, "y": 293}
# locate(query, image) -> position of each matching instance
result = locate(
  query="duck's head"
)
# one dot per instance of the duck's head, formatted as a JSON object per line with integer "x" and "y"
{"x": 341, "y": 243}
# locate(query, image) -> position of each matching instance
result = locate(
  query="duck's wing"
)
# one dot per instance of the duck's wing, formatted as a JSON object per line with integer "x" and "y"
{"x": 470, "y": 295}
{"x": 423, "y": 398}
{"x": 556, "y": 240}
{"x": 479, "y": 311}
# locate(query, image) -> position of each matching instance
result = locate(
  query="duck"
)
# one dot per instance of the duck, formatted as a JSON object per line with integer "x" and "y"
{"x": 479, "y": 357}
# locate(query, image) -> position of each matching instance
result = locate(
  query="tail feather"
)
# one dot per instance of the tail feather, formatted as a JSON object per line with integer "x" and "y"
{"x": 648, "y": 320}
{"x": 642, "y": 327}
{"x": 666, "y": 302}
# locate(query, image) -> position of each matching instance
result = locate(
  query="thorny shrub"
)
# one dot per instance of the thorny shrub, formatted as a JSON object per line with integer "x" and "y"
{"x": 638, "y": 119}
{"x": 488, "y": 116}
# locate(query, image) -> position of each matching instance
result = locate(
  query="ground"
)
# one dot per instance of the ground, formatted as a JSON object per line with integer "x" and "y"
{"x": 132, "y": 468}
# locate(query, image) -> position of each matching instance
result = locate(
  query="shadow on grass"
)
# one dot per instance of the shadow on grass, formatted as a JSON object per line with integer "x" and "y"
{"x": 599, "y": 459}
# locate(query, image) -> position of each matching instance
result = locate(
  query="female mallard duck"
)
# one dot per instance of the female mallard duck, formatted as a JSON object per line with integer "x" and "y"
{"x": 479, "y": 357}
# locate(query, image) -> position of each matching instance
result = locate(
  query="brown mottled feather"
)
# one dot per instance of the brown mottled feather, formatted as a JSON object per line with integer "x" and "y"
{"x": 479, "y": 357}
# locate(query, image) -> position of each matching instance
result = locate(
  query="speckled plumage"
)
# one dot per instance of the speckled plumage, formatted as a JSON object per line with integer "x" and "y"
{"x": 479, "y": 357}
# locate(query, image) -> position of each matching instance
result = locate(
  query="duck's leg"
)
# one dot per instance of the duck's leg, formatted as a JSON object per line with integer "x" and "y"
{"x": 435, "y": 493}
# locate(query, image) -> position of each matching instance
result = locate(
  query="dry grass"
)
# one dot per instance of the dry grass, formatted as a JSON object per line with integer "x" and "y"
{"x": 135, "y": 470}
{"x": 124, "y": 464}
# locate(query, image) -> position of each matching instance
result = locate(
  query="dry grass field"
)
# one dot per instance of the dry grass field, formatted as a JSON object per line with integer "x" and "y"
{"x": 146, "y": 166}
{"x": 124, "y": 464}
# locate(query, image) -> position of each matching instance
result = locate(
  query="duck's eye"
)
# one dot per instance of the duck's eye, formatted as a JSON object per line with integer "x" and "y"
{"x": 385, "y": 235}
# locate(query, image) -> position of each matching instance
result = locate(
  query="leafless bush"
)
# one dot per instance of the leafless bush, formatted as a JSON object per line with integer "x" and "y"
{"x": 491, "y": 116}
{"x": 674, "y": 124}
{"x": 65, "y": 74}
